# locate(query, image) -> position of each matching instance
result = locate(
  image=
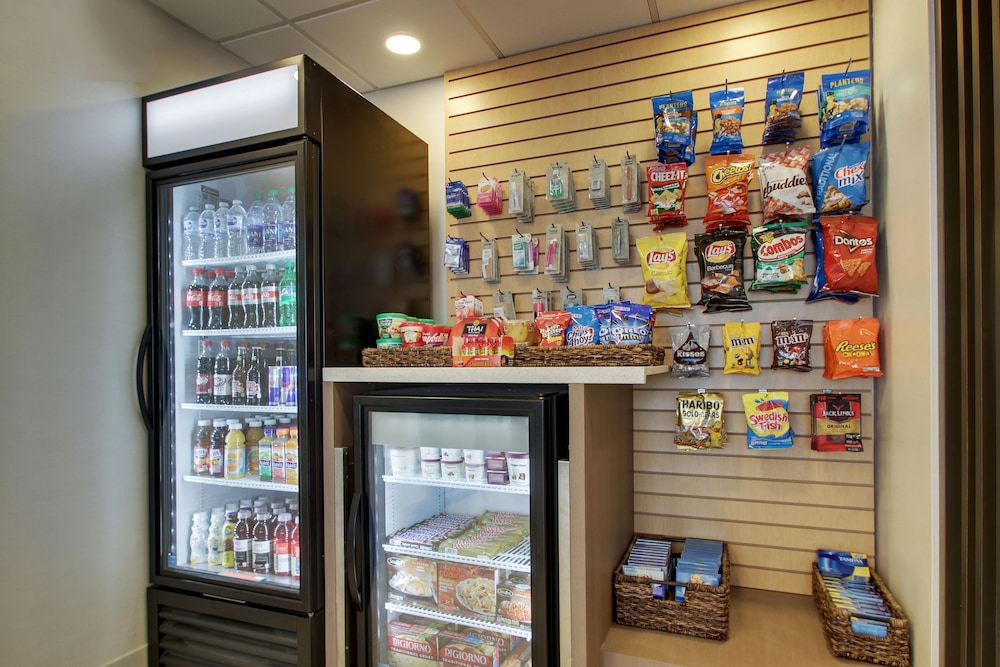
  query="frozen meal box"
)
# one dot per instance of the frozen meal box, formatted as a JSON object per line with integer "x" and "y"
{"x": 467, "y": 589}
{"x": 514, "y": 600}
{"x": 412, "y": 645}
{"x": 412, "y": 580}
{"x": 468, "y": 650}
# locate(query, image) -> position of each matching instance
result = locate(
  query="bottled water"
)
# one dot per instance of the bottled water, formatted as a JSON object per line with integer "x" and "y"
{"x": 272, "y": 214}
{"x": 286, "y": 227}
{"x": 255, "y": 226}
{"x": 235, "y": 226}
{"x": 221, "y": 217}
{"x": 206, "y": 233}
{"x": 189, "y": 228}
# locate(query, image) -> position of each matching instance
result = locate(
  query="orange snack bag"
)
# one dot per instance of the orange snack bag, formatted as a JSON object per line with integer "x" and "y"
{"x": 728, "y": 180}
{"x": 851, "y": 348}
{"x": 551, "y": 326}
{"x": 849, "y": 254}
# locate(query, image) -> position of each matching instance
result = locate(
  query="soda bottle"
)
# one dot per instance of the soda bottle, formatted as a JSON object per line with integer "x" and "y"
{"x": 235, "y": 315}
{"x": 261, "y": 546}
{"x": 203, "y": 380}
{"x": 236, "y": 452}
{"x": 236, "y": 229}
{"x": 253, "y": 436}
{"x": 286, "y": 227}
{"x": 269, "y": 297}
{"x": 206, "y": 232}
{"x": 217, "y": 301}
{"x": 292, "y": 457}
{"x": 217, "y": 449}
{"x": 222, "y": 377}
{"x": 283, "y": 545}
{"x": 255, "y": 373}
{"x": 255, "y": 226}
{"x": 194, "y": 299}
{"x": 241, "y": 541}
{"x": 199, "y": 538}
{"x": 287, "y": 297}
{"x": 215, "y": 543}
{"x": 278, "y": 455}
{"x": 296, "y": 554}
{"x": 240, "y": 374}
{"x": 220, "y": 222}
{"x": 264, "y": 453}
{"x": 189, "y": 230}
{"x": 272, "y": 214}
{"x": 274, "y": 376}
{"x": 228, "y": 532}
{"x": 250, "y": 288}
{"x": 200, "y": 444}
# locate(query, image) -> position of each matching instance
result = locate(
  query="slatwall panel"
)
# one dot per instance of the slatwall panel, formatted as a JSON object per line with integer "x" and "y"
{"x": 592, "y": 98}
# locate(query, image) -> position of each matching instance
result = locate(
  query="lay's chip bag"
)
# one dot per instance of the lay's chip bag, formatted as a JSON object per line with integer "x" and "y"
{"x": 768, "y": 426}
{"x": 664, "y": 270}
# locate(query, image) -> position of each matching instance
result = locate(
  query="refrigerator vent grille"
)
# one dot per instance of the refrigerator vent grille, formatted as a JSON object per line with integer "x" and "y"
{"x": 188, "y": 639}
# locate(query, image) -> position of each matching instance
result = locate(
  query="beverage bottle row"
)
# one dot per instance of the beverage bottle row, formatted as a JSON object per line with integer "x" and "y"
{"x": 251, "y": 379}
{"x": 219, "y": 299}
{"x": 268, "y": 451}
{"x": 262, "y": 537}
{"x": 233, "y": 231}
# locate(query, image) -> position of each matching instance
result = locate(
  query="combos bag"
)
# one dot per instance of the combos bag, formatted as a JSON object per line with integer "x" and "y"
{"x": 838, "y": 176}
{"x": 727, "y": 120}
{"x": 667, "y": 183}
{"x": 720, "y": 260}
{"x": 851, "y": 348}
{"x": 768, "y": 426}
{"x": 741, "y": 342}
{"x": 699, "y": 421}
{"x": 663, "y": 270}
{"x": 779, "y": 256}
{"x": 728, "y": 180}
{"x": 849, "y": 254}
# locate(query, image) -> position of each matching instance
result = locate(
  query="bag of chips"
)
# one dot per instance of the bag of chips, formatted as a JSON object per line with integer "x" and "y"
{"x": 667, "y": 183}
{"x": 792, "y": 341}
{"x": 699, "y": 421}
{"x": 663, "y": 270}
{"x": 768, "y": 425}
{"x": 583, "y": 326}
{"x": 741, "y": 343}
{"x": 818, "y": 292}
{"x": 675, "y": 121}
{"x": 727, "y": 120}
{"x": 784, "y": 187}
{"x": 849, "y": 254}
{"x": 843, "y": 100}
{"x": 851, "y": 348}
{"x": 779, "y": 256}
{"x": 838, "y": 176}
{"x": 836, "y": 422}
{"x": 781, "y": 103}
{"x": 551, "y": 326}
{"x": 720, "y": 260}
{"x": 728, "y": 180}
{"x": 690, "y": 351}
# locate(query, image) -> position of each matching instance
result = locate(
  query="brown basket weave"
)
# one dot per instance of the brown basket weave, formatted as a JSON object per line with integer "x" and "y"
{"x": 703, "y": 613}
{"x": 373, "y": 357}
{"x": 893, "y": 650}
{"x": 590, "y": 355}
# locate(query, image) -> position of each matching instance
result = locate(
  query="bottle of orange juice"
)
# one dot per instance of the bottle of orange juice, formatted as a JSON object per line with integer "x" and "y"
{"x": 292, "y": 456}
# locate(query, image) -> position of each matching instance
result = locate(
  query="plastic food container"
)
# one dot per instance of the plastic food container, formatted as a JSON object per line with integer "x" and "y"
{"x": 413, "y": 334}
{"x": 385, "y": 343}
{"x": 475, "y": 473}
{"x": 474, "y": 457}
{"x": 436, "y": 335}
{"x": 453, "y": 471}
{"x": 518, "y": 468}
{"x": 404, "y": 461}
{"x": 389, "y": 323}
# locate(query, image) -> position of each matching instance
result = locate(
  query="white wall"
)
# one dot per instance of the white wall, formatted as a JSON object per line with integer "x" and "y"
{"x": 74, "y": 565}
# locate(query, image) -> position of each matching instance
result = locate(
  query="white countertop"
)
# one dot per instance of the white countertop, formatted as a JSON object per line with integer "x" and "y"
{"x": 516, "y": 375}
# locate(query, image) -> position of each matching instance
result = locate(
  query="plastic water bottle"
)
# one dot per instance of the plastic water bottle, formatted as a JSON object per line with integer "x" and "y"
{"x": 272, "y": 214}
{"x": 286, "y": 227}
{"x": 235, "y": 226}
{"x": 206, "y": 233}
{"x": 287, "y": 297}
{"x": 255, "y": 226}
{"x": 221, "y": 217}
{"x": 189, "y": 227}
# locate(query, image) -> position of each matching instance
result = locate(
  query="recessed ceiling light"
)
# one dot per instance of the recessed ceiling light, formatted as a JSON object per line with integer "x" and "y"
{"x": 402, "y": 44}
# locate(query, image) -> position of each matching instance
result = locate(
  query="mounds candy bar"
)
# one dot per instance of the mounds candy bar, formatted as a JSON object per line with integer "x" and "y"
{"x": 851, "y": 348}
{"x": 836, "y": 422}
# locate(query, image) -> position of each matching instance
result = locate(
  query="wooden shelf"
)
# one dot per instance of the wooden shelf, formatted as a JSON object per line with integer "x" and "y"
{"x": 510, "y": 375}
{"x": 765, "y": 629}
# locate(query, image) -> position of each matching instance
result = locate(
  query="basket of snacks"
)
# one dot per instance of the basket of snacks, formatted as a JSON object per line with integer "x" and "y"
{"x": 388, "y": 357}
{"x": 590, "y": 355}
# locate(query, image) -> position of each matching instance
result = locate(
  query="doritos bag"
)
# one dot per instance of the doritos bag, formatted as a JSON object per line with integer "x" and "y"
{"x": 849, "y": 253}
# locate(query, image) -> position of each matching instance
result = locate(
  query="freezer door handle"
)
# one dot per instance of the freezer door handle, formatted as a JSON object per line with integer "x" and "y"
{"x": 145, "y": 345}
{"x": 353, "y": 580}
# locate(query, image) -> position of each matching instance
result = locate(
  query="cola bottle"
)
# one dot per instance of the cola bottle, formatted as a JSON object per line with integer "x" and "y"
{"x": 240, "y": 375}
{"x": 269, "y": 297}
{"x": 194, "y": 298}
{"x": 236, "y": 315}
{"x": 222, "y": 376}
{"x": 256, "y": 376}
{"x": 251, "y": 297}
{"x": 217, "y": 293}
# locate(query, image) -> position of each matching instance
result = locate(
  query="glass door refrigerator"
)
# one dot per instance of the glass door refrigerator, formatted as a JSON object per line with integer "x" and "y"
{"x": 452, "y": 536}
{"x": 262, "y": 243}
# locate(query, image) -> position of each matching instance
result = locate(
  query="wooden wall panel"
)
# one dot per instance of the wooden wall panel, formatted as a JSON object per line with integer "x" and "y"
{"x": 592, "y": 98}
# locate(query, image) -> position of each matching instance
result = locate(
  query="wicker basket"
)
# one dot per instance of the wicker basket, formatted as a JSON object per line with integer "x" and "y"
{"x": 893, "y": 650}
{"x": 406, "y": 356}
{"x": 590, "y": 355}
{"x": 703, "y": 613}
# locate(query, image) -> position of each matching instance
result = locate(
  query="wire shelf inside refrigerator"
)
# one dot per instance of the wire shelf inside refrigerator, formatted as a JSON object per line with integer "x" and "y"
{"x": 458, "y": 618}
{"x": 517, "y": 559}
{"x": 259, "y": 332}
{"x": 420, "y": 481}
{"x": 242, "y": 259}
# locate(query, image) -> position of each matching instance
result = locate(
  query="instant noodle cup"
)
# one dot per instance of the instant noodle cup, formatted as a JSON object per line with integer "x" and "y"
{"x": 389, "y": 324}
{"x": 851, "y": 348}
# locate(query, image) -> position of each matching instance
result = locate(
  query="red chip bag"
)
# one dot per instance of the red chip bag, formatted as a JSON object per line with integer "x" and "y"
{"x": 551, "y": 326}
{"x": 728, "y": 180}
{"x": 849, "y": 254}
{"x": 851, "y": 348}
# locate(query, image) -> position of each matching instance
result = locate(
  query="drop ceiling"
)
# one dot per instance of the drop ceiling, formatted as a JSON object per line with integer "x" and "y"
{"x": 347, "y": 36}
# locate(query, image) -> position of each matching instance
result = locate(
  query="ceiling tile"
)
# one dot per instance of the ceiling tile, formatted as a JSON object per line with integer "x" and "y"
{"x": 271, "y": 45}
{"x": 518, "y": 26}
{"x": 672, "y": 8}
{"x": 356, "y": 35}
{"x": 217, "y": 19}
{"x": 293, "y": 9}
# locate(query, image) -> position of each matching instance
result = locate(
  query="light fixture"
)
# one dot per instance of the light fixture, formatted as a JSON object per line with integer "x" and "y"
{"x": 402, "y": 44}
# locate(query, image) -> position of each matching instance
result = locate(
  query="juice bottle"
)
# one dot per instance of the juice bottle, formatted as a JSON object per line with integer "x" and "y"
{"x": 253, "y": 436}
{"x": 294, "y": 545}
{"x": 228, "y": 531}
{"x": 200, "y": 443}
{"x": 215, "y": 542}
{"x": 283, "y": 545}
{"x": 261, "y": 558}
{"x": 217, "y": 450}
{"x": 264, "y": 454}
{"x": 241, "y": 541}
{"x": 292, "y": 457}
{"x": 236, "y": 452}
{"x": 278, "y": 455}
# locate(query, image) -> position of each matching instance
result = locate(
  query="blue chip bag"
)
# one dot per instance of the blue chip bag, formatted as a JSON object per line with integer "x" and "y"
{"x": 675, "y": 121}
{"x": 631, "y": 323}
{"x": 838, "y": 176}
{"x": 844, "y": 101}
{"x": 584, "y": 328}
{"x": 727, "y": 120}
{"x": 782, "y": 103}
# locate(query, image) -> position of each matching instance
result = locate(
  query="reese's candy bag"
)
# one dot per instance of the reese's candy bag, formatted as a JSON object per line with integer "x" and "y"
{"x": 851, "y": 348}
{"x": 768, "y": 426}
{"x": 690, "y": 351}
{"x": 699, "y": 421}
{"x": 728, "y": 180}
{"x": 849, "y": 254}
{"x": 836, "y": 422}
{"x": 741, "y": 342}
{"x": 720, "y": 259}
{"x": 663, "y": 270}
{"x": 791, "y": 344}
{"x": 779, "y": 256}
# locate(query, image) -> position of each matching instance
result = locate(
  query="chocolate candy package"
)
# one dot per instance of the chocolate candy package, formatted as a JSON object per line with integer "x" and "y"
{"x": 699, "y": 421}
{"x": 791, "y": 344}
{"x": 741, "y": 342}
{"x": 690, "y": 351}
{"x": 720, "y": 260}
{"x": 851, "y": 348}
{"x": 768, "y": 426}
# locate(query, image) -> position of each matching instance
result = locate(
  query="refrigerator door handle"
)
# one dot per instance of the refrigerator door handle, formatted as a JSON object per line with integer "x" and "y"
{"x": 145, "y": 345}
{"x": 353, "y": 578}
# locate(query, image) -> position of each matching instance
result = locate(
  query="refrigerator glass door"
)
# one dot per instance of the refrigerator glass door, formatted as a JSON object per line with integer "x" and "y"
{"x": 450, "y": 515}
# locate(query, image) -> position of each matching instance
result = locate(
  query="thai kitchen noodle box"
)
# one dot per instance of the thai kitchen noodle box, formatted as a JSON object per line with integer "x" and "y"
{"x": 480, "y": 342}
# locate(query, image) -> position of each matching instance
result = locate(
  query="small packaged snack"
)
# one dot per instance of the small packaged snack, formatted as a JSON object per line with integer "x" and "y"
{"x": 583, "y": 327}
{"x": 819, "y": 291}
{"x": 728, "y": 180}
{"x": 720, "y": 259}
{"x": 631, "y": 323}
{"x": 784, "y": 185}
{"x": 791, "y": 344}
{"x": 779, "y": 256}
{"x": 836, "y": 422}
{"x": 741, "y": 343}
{"x": 675, "y": 121}
{"x": 781, "y": 103}
{"x": 663, "y": 270}
{"x": 551, "y": 326}
{"x": 727, "y": 120}
{"x": 843, "y": 100}
{"x": 838, "y": 176}
{"x": 851, "y": 348}
{"x": 849, "y": 243}
{"x": 699, "y": 421}
{"x": 768, "y": 426}
{"x": 667, "y": 183}
{"x": 690, "y": 345}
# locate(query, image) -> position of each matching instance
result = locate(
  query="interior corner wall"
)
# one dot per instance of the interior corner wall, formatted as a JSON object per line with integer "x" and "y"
{"x": 75, "y": 566}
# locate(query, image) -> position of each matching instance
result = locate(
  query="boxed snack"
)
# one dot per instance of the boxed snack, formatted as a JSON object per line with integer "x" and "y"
{"x": 412, "y": 580}
{"x": 480, "y": 342}
{"x": 412, "y": 644}
{"x": 520, "y": 657}
{"x": 468, "y": 650}
{"x": 467, "y": 589}
{"x": 430, "y": 533}
{"x": 514, "y": 600}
